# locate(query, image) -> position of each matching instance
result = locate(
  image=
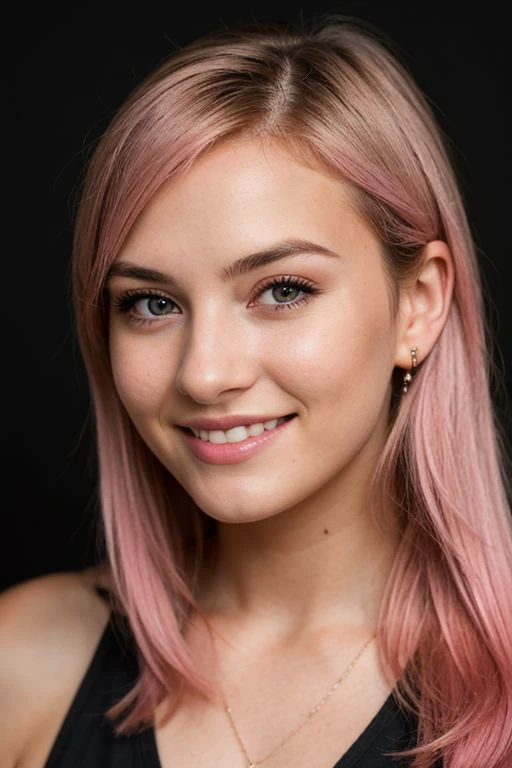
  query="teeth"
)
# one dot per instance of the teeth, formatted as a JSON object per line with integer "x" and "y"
{"x": 217, "y": 436}
{"x": 236, "y": 434}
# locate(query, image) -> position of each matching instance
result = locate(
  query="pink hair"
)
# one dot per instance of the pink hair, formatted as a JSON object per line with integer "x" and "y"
{"x": 445, "y": 628}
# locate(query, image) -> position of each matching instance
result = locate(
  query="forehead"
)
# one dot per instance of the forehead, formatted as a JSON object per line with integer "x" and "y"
{"x": 241, "y": 196}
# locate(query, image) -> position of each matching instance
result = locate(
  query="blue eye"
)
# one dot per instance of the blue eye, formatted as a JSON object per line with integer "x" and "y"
{"x": 146, "y": 307}
{"x": 287, "y": 287}
{"x": 156, "y": 305}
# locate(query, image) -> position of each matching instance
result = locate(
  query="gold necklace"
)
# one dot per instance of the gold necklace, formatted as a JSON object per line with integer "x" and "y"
{"x": 253, "y": 763}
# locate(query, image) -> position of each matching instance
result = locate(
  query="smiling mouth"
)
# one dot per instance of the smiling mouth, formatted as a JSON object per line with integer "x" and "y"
{"x": 239, "y": 433}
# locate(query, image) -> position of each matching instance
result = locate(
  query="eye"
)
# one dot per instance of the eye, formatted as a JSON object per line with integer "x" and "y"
{"x": 285, "y": 290}
{"x": 156, "y": 305}
{"x": 143, "y": 307}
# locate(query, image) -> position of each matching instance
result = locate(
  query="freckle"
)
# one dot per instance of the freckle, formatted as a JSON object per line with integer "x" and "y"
{"x": 326, "y": 530}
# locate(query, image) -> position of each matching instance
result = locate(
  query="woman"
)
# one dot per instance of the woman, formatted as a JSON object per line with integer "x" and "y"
{"x": 309, "y": 549}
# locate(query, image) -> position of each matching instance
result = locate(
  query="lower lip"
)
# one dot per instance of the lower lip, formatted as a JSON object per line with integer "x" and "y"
{"x": 232, "y": 453}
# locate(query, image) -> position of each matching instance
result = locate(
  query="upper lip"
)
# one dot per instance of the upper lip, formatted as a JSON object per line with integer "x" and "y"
{"x": 227, "y": 422}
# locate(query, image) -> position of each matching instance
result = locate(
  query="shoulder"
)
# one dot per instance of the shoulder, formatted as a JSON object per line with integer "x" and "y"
{"x": 49, "y": 629}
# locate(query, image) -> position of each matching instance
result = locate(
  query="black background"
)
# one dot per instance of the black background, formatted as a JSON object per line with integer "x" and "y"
{"x": 75, "y": 66}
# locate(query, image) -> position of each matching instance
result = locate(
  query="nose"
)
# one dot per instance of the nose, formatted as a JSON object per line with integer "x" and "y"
{"x": 217, "y": 356}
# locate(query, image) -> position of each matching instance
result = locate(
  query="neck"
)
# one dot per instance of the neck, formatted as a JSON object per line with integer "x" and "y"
{"x": 310, "y": 566}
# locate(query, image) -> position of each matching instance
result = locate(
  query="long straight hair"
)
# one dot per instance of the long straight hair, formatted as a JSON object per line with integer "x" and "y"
{"x": 336, "y": 93}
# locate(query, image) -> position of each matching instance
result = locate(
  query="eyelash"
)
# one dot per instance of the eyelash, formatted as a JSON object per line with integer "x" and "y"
{"x": 124, "y": 303}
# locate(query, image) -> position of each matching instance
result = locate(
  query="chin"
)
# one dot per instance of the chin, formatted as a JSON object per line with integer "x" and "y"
{"x": 238, "y": 515}
{"x": 234, "y": 512}
{"x": 240, "y": 519}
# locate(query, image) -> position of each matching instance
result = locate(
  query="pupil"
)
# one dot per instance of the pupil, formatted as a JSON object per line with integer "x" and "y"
{"x": 158, "y": 306}
{"x": 285, "y": 289}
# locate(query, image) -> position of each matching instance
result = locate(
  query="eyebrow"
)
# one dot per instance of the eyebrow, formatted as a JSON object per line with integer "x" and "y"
{"x": 281, "y": 250}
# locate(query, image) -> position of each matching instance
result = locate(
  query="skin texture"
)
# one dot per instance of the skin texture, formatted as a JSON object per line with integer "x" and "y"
{"x": 297, "y": 541}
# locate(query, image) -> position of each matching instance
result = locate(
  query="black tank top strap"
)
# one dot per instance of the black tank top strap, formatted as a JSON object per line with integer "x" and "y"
{"x": 87, "y": 737}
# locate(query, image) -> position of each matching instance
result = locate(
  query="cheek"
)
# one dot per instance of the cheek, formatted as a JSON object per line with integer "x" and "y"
{"x": 342, "y": 355}
{"x": 344, "y": 388}
{"x": 141, "y": 376}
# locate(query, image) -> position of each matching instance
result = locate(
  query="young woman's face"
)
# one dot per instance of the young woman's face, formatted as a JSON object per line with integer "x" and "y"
{"x": 309, "y": 333}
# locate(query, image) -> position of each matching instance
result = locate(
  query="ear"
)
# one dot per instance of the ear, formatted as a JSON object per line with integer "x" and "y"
{"x": 424, "y": 304}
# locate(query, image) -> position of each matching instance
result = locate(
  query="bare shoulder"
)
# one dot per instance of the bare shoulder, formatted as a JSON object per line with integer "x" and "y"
{"x": 49, "y": 629}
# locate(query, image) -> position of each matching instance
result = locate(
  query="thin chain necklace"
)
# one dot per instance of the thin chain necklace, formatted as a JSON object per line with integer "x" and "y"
{"x": 253, "y": 763}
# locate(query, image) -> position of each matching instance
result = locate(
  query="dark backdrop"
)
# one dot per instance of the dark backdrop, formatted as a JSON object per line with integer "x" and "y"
{"x": 76, "y": 64}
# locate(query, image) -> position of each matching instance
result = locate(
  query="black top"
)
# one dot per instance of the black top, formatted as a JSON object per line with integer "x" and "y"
{"x": 86, "y": 738}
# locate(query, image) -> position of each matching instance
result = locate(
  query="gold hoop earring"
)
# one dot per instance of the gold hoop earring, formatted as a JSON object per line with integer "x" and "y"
{"x": 408, "y": 376}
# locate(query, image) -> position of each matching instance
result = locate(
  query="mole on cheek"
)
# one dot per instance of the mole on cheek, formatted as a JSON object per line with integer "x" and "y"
{"x": 326, "y": 530}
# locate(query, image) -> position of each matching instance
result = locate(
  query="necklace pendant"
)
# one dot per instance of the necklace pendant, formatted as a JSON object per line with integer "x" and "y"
{"x": 251, "y": 765}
